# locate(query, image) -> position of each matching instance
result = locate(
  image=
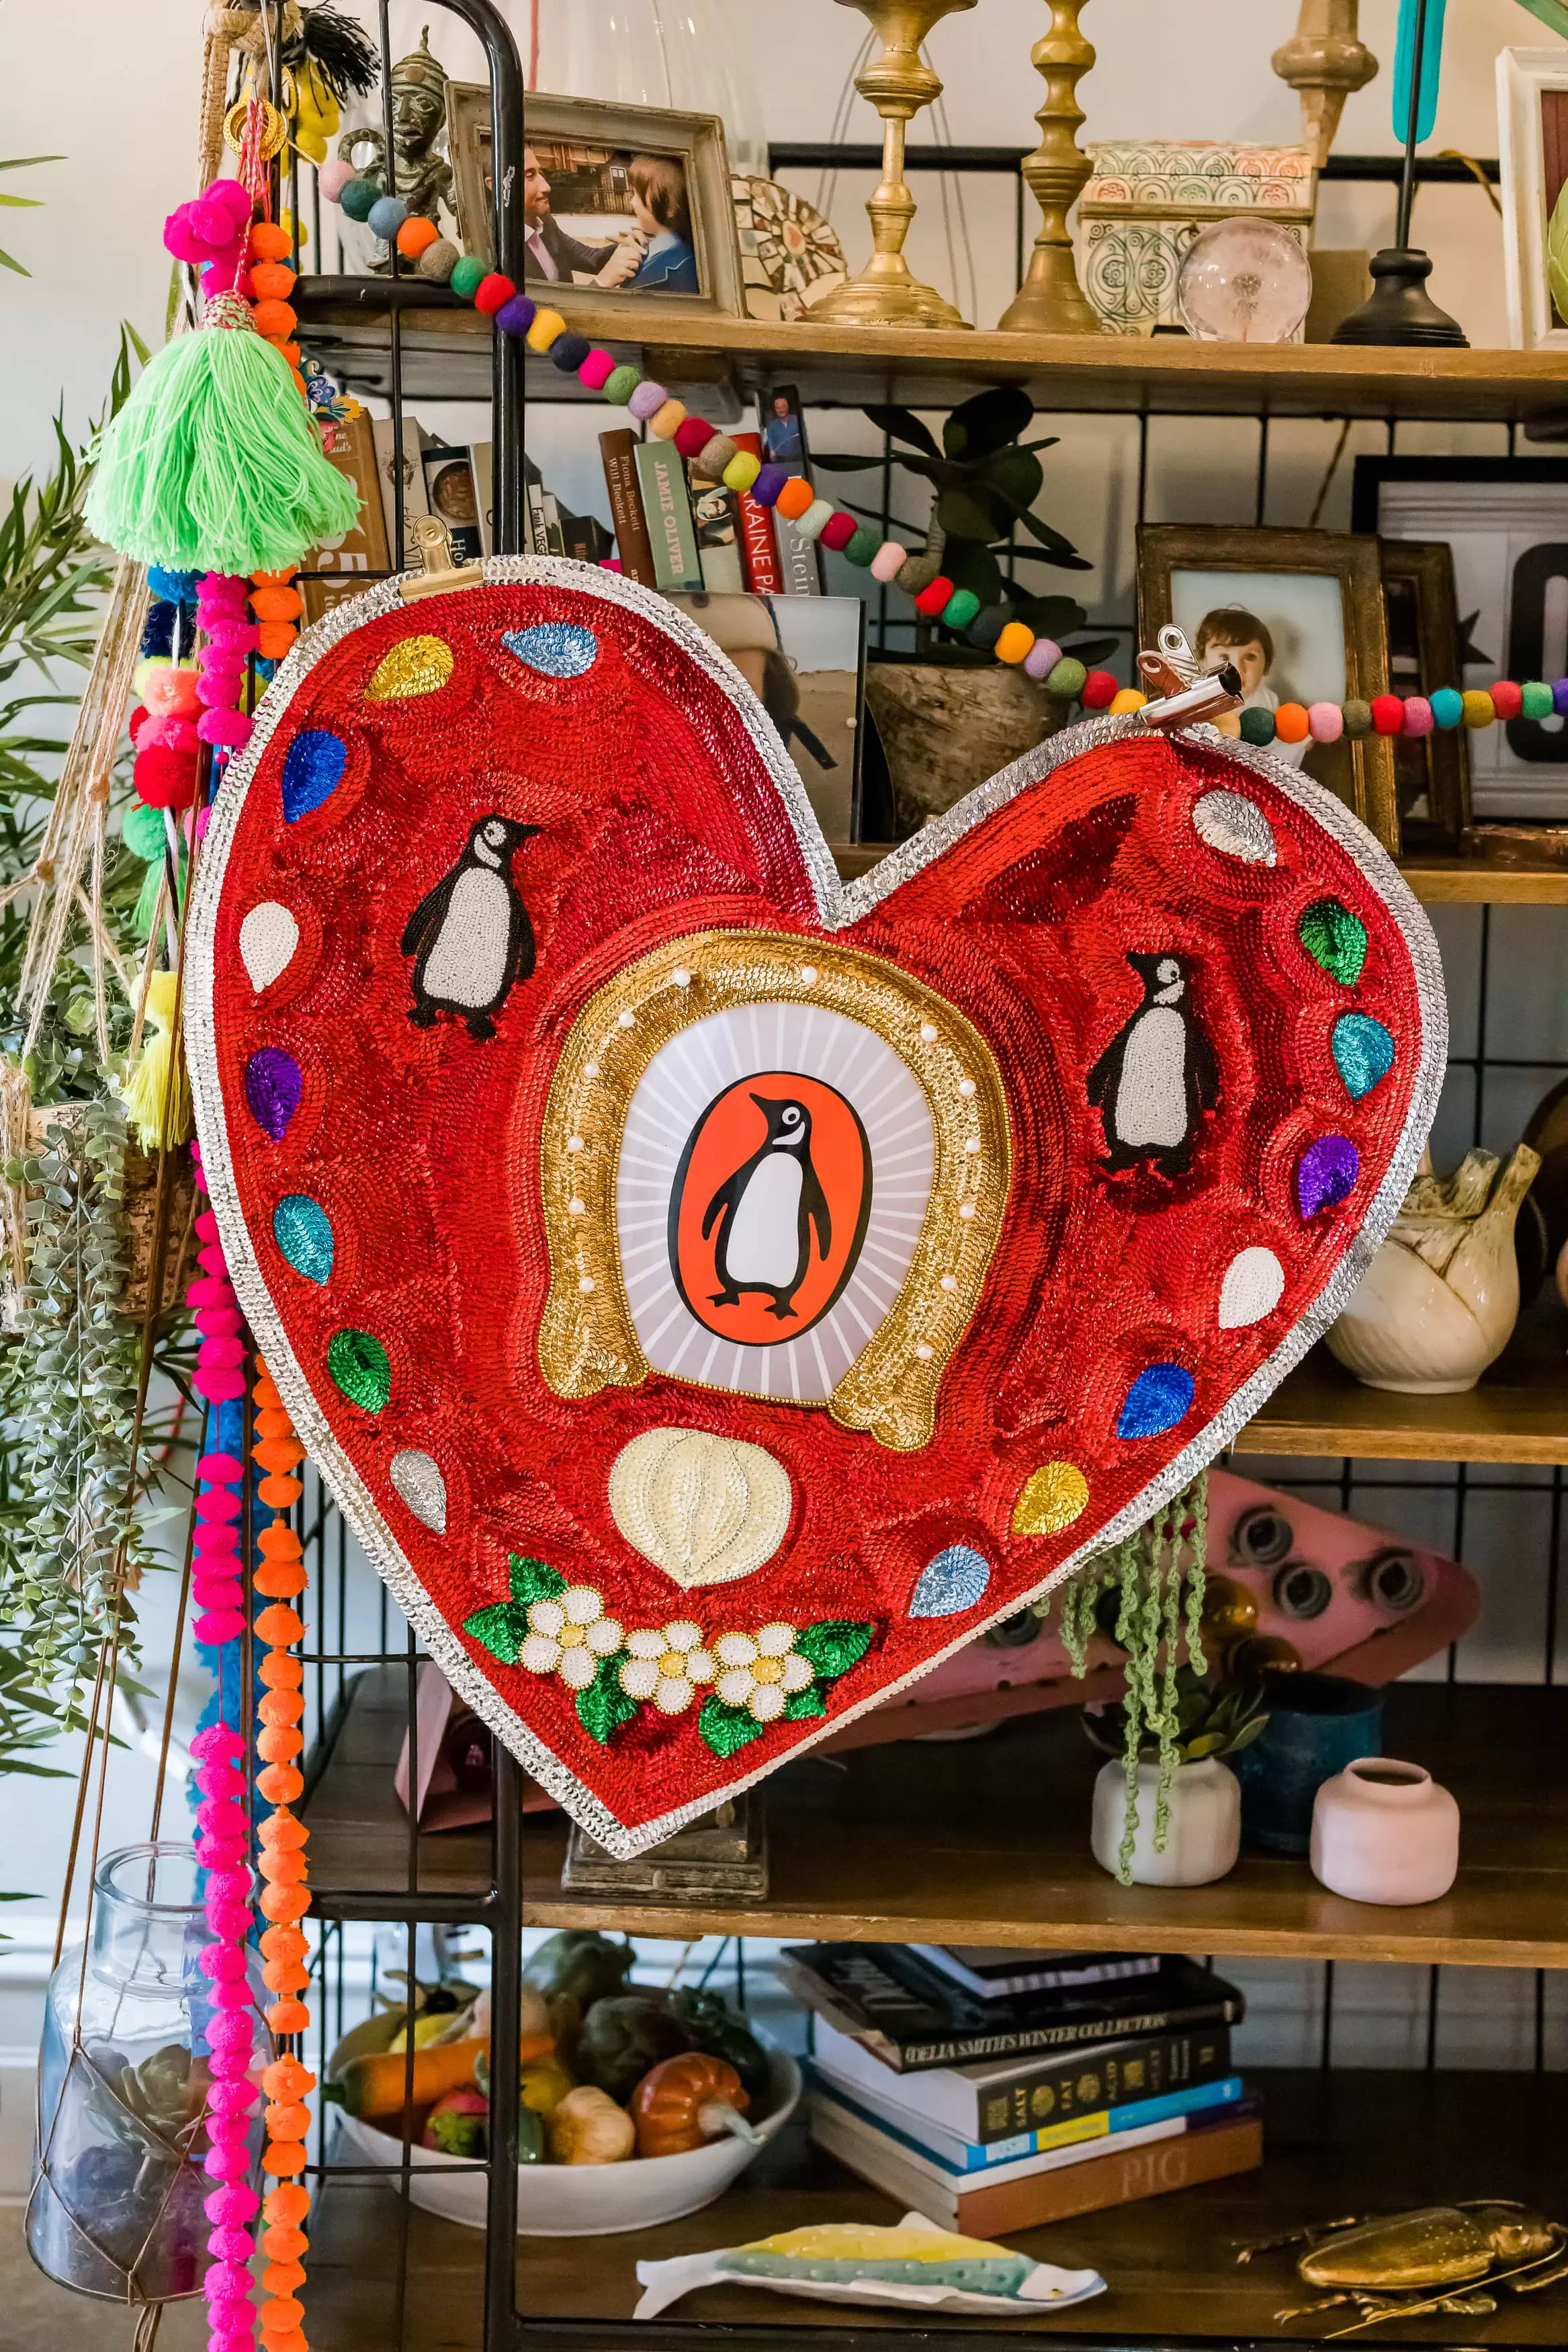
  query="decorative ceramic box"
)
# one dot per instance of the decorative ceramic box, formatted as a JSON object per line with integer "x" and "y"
{"x": 1147, "y": 201}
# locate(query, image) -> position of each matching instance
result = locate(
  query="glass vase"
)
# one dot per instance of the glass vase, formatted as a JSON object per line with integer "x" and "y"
{"x": 670, "y": 53}
{"x": 116, "y": 2208}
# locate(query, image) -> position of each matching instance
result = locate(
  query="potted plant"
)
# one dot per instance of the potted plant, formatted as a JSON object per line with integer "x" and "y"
{"x": 953, "y": 716}
{"x": 1167, "y": 1810}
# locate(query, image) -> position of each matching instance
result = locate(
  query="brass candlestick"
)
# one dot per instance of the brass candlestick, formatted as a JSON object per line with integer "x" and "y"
{"x": 898, "y": 84}
{"x": 1050, "y": 302}
{"x": 1324, "y": 62}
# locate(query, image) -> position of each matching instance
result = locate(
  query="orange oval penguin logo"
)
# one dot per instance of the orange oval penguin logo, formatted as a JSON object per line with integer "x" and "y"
{"x": 770, "y": 1207}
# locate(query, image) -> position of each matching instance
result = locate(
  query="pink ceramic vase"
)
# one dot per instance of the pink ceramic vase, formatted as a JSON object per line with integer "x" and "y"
{"x": 1384, "y": 1832}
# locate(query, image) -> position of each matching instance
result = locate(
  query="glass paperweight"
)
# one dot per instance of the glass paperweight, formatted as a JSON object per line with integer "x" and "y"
{"x": 1244, "y": 281}
{"x": 116, "y": 2208}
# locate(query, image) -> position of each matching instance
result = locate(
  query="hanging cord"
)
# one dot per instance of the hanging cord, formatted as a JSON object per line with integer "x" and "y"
{"x": 828, "y": 178}
{"x": 939, "y": 117}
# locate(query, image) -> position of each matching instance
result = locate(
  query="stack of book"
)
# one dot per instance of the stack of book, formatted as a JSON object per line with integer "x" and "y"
{"x": 994, "y": 2090}
{"x": 684, "y": 535}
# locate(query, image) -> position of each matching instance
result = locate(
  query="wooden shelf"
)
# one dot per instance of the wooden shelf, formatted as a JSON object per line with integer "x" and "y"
{"x": 1517, "y": 1412}
{"x": 446, "y": 353}
{"x": 1334, "y": 2143}
{"x": 915, "y": 1842}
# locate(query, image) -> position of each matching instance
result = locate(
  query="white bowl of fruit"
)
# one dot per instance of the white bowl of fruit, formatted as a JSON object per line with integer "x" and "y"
{"x": 637, "y": 2105}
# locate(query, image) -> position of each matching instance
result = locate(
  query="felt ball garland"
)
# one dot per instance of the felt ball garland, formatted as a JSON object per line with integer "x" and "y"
{"x": 514, "y": 313}
{"x": 280, "y": 1579}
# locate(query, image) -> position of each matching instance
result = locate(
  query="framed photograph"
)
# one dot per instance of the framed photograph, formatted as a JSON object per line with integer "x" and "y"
{"x": 1505, "y": 523}
{"x": 627, "y": 210}
{"x": 804, "y": 658}
{"x": 1532, "y": 149}
{"x": 1431, "y": 773}
{"x": 1300, "y": 614}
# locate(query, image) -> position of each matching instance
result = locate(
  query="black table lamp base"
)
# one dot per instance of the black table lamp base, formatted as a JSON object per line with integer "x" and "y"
{"x": 1400, "y": 310}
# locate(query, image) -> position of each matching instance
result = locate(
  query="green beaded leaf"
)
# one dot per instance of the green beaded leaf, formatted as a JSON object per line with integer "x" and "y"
{"x": 725, "y": 1728}
{"x": 604, "y": 1707}
{"x": 801, "y": 1704}
{"x": 534, "y": 1580}
{"x": 1335, "y": 939}
{"x": 360, "y": 1366}
{"x": 834, "y": 1646}
{"x": 501, "y": 1628}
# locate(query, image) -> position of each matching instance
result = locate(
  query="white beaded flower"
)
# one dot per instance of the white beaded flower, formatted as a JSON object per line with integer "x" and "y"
{"x": 567, "y": 1637}
{"x": 665, "y": 1663}
{"x": 760, "y": 1672}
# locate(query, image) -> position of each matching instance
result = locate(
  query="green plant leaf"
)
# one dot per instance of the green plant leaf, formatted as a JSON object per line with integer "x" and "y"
{"x": 902, "y": 424}
{"x": 979, "y": 425}
{"x": 834, "y": 1646}
{"x": 604, "y": 1707}
{"x": 1092, "y": 650}
{"x": 1207, "y": 1743}
{"x": 1249, "y": 1733}
{"x": 961, "y": 512}
{"x": 968, "y": 564}
{"x": 534, "y": 1580}
{"x": 1016, "y": 477}
{"x": 725, "y": 1728}
{"x": 1047, "y": 616}
{"x": 836, "y": 463}
{"x": 801, "y": 1704}
{"x": 1053, "y": 542}
{"x": 501, "y": 1628}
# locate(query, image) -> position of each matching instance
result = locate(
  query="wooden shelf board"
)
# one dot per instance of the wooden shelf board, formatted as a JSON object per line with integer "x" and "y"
{"x": 1518, "y": 1410}
{"x": 915, "y": 1843}
{"x": 854, "y": 364}
{"x": 1334, "y": 2143}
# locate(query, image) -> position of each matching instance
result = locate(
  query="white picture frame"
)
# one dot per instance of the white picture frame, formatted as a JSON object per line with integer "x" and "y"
{"x": 1526, "y": 79}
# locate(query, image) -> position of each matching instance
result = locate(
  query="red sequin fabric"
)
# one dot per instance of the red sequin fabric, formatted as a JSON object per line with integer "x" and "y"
{"x": 1210, "y": 1011}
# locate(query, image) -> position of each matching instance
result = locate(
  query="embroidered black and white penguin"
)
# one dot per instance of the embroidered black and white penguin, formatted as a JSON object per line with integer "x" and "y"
{"x": 471, "y": 934}
{"x": 766, "y": 1211}
{"x": 1157, "y": 1074}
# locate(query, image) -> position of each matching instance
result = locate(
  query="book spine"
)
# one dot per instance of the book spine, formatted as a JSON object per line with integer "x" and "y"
{"x": 667, "y": 511}
{"x": 958, "y": 2156}
{"x": 618, "y": 455}
{"x": 758, "y": 550}
{"x": 1121, "y": 2176}
{"x": 1106, "y": 2077}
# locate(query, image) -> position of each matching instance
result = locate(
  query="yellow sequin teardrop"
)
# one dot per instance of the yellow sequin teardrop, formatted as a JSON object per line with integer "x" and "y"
{"x": 419, "y": 665}
{"x": 1051, "y": 1498}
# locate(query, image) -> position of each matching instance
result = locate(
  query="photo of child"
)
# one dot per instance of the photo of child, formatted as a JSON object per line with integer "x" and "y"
{"x": 594, "y": 215}
{"x": 1283, "y": 634}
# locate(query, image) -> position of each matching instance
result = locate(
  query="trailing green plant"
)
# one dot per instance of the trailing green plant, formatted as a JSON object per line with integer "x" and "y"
{"x": 1146, "y": 1593}
{"x": 74, "y": 1508}
{"x": 984, "y": 482}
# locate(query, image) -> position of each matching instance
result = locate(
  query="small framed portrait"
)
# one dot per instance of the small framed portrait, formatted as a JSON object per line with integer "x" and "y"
{"x": 627, "y": 210}
{"x": 1299, "y": 615}
{"x": 1504, "y": 522}
{"x": 1532, "y": 149}
{"x": 1431, "y": 773}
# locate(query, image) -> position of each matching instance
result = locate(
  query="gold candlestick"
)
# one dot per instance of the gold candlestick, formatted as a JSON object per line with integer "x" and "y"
{"x": 1326, "y": 60}
{"x": 898, "y": 84}
{"x": 1050, "y": 302}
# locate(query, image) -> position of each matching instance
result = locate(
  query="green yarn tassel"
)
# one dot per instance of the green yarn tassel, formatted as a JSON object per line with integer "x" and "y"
{"x": 214, "y": 464}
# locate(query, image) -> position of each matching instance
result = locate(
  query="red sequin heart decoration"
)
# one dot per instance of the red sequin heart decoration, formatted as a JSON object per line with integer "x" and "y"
{"x": 713, "y": 1292}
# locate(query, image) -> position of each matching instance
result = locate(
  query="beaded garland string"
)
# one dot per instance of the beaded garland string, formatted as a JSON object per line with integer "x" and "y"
{"x": 280, "y": 1579}
{"x": 223, "y": 1844}
{"x": 810, "y": 517}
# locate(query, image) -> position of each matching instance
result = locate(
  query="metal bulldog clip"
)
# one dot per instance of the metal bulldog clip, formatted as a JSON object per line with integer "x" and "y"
{"x": 1185, "y": 693}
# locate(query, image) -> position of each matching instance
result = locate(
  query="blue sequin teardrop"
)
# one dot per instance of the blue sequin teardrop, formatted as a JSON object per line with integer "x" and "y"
{"x": 303, "y": 1231}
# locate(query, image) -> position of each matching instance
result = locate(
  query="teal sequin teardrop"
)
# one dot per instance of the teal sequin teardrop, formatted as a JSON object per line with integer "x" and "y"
{"x": 303, "y": 1231}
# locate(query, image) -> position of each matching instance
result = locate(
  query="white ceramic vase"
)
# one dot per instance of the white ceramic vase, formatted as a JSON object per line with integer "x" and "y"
{"x": 1441, "y": 1299}
{"x": 1384, "y": 1832}
{"x": 1203, "y": 1835}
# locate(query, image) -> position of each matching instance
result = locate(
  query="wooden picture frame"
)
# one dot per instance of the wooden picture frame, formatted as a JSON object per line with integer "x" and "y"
{"x": 1422, "y": 617}
{"x": 695, "y": 141}
{"x": 1182, "y": 569}
{"x": 1532, "y": 153}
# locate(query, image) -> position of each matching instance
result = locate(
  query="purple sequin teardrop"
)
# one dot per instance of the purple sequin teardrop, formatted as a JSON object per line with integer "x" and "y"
{"x": 273, "y": 1086}
{"x": 1326, "y": 1174}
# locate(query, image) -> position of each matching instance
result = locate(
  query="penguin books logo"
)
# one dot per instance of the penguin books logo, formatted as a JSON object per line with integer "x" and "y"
{"x": 770, "y": 1207}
